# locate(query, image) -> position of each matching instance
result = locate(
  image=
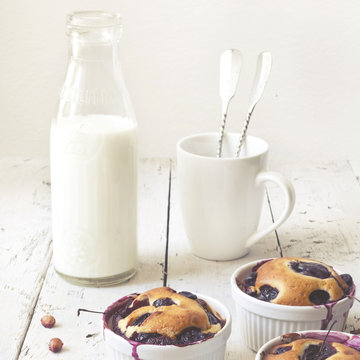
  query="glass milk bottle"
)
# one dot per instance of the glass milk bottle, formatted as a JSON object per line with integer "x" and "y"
{"x": 93, "y": 150}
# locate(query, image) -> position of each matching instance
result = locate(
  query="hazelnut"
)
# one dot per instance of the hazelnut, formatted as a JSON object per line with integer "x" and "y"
{"x": 55, "y": 345}
{"x": 48, "y": 321}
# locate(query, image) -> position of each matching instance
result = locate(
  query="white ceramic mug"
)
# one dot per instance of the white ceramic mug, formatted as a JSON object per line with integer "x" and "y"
{"x": 221, "y": 198}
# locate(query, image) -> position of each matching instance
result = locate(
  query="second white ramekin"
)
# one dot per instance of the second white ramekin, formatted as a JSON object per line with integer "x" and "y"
{"x": 118, "y": 348}
{"x": 336, "y": 336}
{"x": 260, "y": 321}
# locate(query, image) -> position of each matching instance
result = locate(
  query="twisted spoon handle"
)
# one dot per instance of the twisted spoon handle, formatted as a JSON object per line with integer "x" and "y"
{"x": 230, "y": 65}
{"x": 261, "y": 76}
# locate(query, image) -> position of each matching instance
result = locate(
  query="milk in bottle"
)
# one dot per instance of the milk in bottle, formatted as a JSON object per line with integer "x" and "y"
{"x": 93, "y": 148}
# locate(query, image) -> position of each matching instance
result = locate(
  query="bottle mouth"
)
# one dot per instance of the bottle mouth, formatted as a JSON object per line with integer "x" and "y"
{"x": 86, "y": 22}
{"x": 93, "y": 19}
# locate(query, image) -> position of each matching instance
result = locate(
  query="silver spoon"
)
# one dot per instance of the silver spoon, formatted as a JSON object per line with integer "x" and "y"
{"x": 230, "y": 65}
{"x": 263, "y": 68}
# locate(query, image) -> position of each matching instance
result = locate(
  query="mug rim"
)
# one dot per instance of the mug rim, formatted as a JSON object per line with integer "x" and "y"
{"x": 179, "y": 147}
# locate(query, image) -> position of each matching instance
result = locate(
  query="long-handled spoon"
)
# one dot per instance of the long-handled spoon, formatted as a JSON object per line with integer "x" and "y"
{"x": 263, "y": 68}
{"x": 230, "y": 65}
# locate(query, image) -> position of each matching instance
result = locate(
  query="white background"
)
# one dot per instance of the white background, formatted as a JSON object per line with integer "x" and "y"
{"x": 170, "y": 56}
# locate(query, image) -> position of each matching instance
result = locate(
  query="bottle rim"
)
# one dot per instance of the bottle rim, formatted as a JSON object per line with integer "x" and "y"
{"x": 92, "y": 19}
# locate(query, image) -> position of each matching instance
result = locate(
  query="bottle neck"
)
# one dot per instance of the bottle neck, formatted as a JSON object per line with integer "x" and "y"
{"x": 95, "y": 51}
{"x": 94, "y": 78}
{"x": 93, "y": 81}
{"x": 94, "y": 75}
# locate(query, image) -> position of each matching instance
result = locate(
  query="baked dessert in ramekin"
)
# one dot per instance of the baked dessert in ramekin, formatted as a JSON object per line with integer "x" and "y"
{"x": 278, "y": 296}
{"x": 312, "y": 345}
{"x": 162, "y": 324}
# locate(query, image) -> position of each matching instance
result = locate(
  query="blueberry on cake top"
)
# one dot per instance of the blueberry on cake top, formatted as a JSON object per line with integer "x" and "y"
{"x": 311, "y": 349}
{"x": 296, "y": 282}
{"x": 162, "y": 316}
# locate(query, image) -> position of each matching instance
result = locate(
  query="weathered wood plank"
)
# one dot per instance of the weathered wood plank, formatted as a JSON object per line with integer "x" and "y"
{"x": 355, "y": 166}
{"x": 82, "y": 336}
{"x": 325, "y": 225}
{"x": 24, "y": 246}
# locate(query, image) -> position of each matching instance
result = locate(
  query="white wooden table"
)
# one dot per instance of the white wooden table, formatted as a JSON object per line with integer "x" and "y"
{"x": 325, "y": 225}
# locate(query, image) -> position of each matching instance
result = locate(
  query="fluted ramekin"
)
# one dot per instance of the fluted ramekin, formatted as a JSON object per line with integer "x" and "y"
{"x": 119, "y": 348}
{"x": 259, "y": 321}
{"x": 334, "y": 336}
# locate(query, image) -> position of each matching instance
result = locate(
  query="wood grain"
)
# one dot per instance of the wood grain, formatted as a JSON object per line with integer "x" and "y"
{"x": 25, "y": 246}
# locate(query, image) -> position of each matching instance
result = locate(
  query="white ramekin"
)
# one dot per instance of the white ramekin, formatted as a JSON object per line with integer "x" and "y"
{"x": 334, "y": 336}
{"x": 259, "y": 321}
{"x": 119, "y": 348}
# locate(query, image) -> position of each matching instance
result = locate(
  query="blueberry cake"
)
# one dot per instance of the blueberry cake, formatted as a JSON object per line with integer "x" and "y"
{"x": 311, "y": 349}
{"x": 296, "y": 282}
{"x": 163, "y": 316}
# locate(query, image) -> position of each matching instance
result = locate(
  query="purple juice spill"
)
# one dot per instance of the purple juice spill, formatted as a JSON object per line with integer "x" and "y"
{"x": 134, "y": 352}
{"x": 332, "y": 337}
{"x": 111, "y": 311}
{"x": 352, "y": 290}
{"x": 329, "y": 308}
{"x": 329, "y": 315}
{"x": 352, "y": 341}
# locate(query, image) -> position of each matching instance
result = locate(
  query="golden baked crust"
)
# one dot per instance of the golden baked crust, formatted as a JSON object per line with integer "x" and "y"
{"x": 298, "y": 347}
{"x": 168, "y": 320}
{"x": 295, "y": 288}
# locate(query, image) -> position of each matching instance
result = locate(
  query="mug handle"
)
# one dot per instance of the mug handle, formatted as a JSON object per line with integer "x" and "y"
{"x": 288, "y": 190}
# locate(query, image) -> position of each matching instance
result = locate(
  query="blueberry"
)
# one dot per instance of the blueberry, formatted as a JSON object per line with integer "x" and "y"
{"x": 311, "y": 352}
{"x": 125, "y": 309}
{"x": 310, "y": 269}
{"x": 139, "y": 303}
{"x": 318, "y": 352}
{"x": 191, "y": 335}
{"x": 202, "y": 303}
{"x": 267, "y": 293}
{"x": 151, "y": 338}
{"x": 188, "y": 295}
{"x": 142, "y": 337}
{"x": 319, "y": 297}
{"x": 282, "y": 349}
{"x": 347, "y": 278}
{"x": 212, "y": 318}
{"x": 160, "y": 340}
{"x": 115, "y": 320}
{"x": 188, "y": 335}
{"x": 140, "y": 319}
{"x": 163, "y": 302}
